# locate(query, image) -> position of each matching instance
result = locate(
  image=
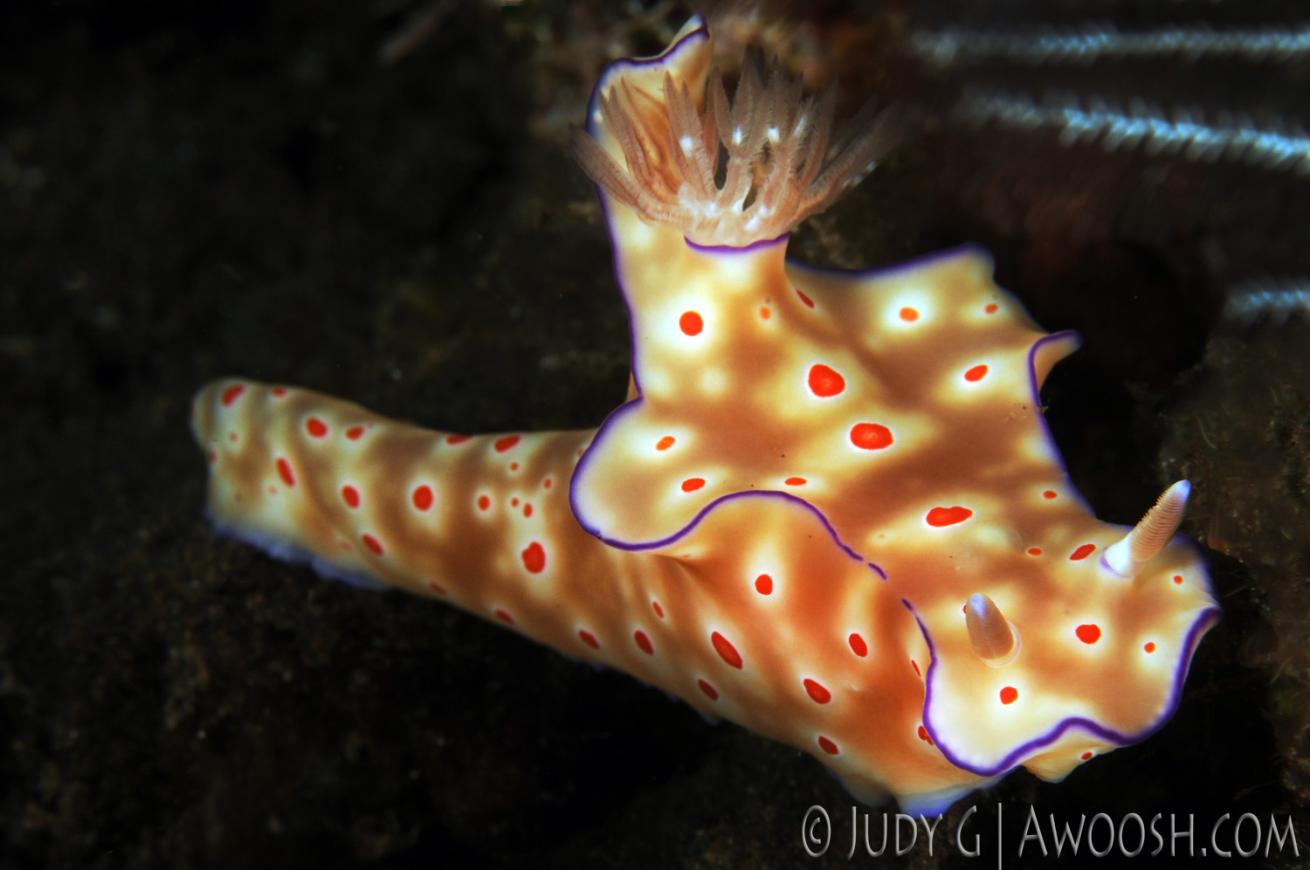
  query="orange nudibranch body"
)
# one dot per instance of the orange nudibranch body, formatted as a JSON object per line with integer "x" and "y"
{"x": 830, "y": 512}
{"x": 740, "y": 631}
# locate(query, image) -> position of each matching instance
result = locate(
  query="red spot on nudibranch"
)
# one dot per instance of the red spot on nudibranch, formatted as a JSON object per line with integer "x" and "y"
{"x": 279, "y": 392}
{"x": 975, "y": 374}
{"x": 664, "y": 443}
{"x": 513, "y": 466}
{"x": 1149, "y": 646}
{"x": 827, "y": 745}
{"x": 795, "y": 481}
{"x": 503, "y": 444}
{"x": 764, "y": 584}
{"x": 1049, "y": 494}
{"x": 588, "y": 638}
{"x": 1086, "y": 756}
{"x": 925, "y": 736}
{"x": 534, "y": 557}
{"x": 484, "y": 502}
{"x": 692, "y": 484}
{"x": 1088, "y": 632}
{"x": 514, "y": 502}
{"x": 765, "y": 312}
{"x": 726, "y": 650}
{"x": 858, "y": 646}
{"x": 948, "y": 516}
{"x": 284, "y": 471}
{"x": 1082, "y": 552}
{"x": 1178, "y": 579}
{"x": 643, "y": 642}
{"x": 909, "y": 315}
{"x": 991, "y": 307}
{"x": 232, "y": 393}
{"x": 354, "y": 433}
{"x": 527, "y": 509}
{"x": 212, "y": 456}
{"x": 1034, "y": 551}
{"x": 436, "y": 587}
{"x": 316, "y": 427}
{"x": 456, "y": 439}
{"x": 708, "y": 688}
{"x": 871, "y": 436}
{"x": 809, "y": 303}
{"x": 658, "y": 608}
{"x": 372, "y": 543}
{"x": 825, "y": 382}
{"x": 915, "y": 665}
{"x": 818, "y": 692}
{"x": 1009, "y": 695}
{"x": 503, "y": 615}
{"x": 350, "y": 496}
{"x": 547, "y": 483}
{"x": 691, "y": 323}
{"x": 422, "y": 497}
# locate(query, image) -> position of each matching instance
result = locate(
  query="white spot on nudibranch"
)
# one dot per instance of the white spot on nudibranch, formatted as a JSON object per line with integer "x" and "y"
{"x": 714, "y": 382}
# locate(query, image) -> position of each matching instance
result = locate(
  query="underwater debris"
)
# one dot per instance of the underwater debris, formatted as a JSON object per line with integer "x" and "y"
{"x": 1276, "y": 299}
{"x": 1182, "y": 132}
{"x": 944, "y": 48}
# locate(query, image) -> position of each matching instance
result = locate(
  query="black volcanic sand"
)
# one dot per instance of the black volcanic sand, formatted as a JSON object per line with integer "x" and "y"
{"x": 194, "y": 190}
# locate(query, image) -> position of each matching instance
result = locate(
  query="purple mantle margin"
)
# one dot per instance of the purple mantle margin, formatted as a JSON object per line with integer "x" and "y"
{"x": 1204, "y": 620}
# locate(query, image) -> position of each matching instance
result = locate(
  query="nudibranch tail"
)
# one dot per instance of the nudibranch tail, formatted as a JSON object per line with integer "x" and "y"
{"x": 481, "y": 521}
{"x": 1151, "y": 534}
{"x": 726, "y": 172}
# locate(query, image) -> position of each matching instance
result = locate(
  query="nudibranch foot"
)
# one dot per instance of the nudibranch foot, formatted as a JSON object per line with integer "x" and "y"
{"x": 930, "y": 804}
{"x": 287, "y": 551}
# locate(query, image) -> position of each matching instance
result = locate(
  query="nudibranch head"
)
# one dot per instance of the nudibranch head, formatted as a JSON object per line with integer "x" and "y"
{"x": 665, "y": 139}
{"x": 873, "y": 443}
{"x": 1103, "y": 655}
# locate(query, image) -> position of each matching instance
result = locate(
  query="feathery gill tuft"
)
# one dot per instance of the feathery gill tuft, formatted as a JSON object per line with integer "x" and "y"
{"x": 730, "y": 172}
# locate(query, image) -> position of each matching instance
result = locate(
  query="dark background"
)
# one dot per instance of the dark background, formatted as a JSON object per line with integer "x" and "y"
{"x": 195, "y": 190}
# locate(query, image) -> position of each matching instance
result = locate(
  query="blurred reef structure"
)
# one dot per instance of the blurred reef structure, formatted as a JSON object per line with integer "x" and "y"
{"x": 376, "y": 200}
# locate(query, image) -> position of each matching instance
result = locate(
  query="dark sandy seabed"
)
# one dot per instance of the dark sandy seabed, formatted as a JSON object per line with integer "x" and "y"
{"x": 194, "y": 190}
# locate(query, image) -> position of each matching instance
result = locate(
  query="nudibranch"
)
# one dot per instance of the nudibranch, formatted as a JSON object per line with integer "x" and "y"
{"x": 829, "y": 510}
